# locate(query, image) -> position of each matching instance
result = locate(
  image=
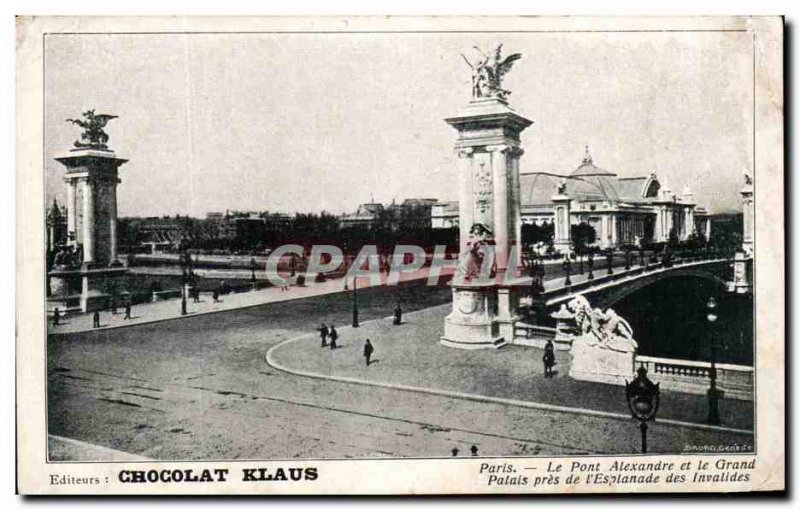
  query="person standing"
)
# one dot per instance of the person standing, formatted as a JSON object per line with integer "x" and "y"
{"x": 196, "y": 294}
{"x": 368, "y": 350}
{"x": 549, "y": 359}
{"x": 96, "y": 319}
{"x": 398, "y": 315}
{"x": 127, "y": 310}
{"x": 215, "y": 295}
{"x": 334, "y": 335}
{"x": 323, "y": 334}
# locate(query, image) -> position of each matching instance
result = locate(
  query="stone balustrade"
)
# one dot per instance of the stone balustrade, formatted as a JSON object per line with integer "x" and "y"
{"x": 537, "y": 336}
{"x": 733, "y": 381}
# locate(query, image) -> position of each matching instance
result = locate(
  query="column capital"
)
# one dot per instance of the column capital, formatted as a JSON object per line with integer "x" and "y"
{"x": 465, "y": 152}
{"x": 502, "y": 148}
{"x": 517, "y": 151}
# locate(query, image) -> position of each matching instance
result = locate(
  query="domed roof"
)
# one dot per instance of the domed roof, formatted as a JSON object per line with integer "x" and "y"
{"x": 589, "y": 182}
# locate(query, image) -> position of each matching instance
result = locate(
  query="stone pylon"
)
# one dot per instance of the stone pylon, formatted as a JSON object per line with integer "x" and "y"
{"x": 93, "y": 273}
{"x": 488, "y": 150}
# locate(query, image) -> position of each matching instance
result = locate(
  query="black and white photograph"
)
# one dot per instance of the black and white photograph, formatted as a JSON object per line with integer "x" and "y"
{"x": 522, "y": 250}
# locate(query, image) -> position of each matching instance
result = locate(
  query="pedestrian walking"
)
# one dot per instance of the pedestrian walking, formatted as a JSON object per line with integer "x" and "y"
{"x": 127, "y": 310}
{"x": 398, "y": 315}
{"x": 96, "y": 319}
{"x": 56, "y": 317}
{"x": 368, "y": 350}
{"x": 549, "y": 359}
{"x": 323, "y": 334}
{"x": 474, "y": 450}
{"x": 334, "y": 335}
{"x": 196, "y": 295}
{"x": 215, "y": 295}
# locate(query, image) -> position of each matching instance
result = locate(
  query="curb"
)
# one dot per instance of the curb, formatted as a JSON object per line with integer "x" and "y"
{"x": 119, "y": 456}
{"x": 270, "y": 360}
{"x": 207, "y": 312}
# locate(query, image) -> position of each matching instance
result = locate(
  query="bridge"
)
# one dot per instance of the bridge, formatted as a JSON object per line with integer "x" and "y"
{"x": 604, "y": 290}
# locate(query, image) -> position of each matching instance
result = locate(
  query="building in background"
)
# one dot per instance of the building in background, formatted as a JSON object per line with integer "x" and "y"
{"x": 622, "y": 210}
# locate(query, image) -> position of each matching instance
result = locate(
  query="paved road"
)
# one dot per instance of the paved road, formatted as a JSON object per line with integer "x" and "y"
{"x": 198, "y": 388}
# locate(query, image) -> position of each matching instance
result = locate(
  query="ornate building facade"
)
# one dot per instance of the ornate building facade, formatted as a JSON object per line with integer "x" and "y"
{"x": 622, "y": 210}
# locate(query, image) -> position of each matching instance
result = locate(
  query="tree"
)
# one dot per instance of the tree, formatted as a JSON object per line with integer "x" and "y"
{"x": 533, "y": 233}
{"x": 583, "y": 235}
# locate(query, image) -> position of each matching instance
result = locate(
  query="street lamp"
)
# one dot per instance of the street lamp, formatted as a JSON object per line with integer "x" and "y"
{"x": 355, "y": 301}
{"x": 184, "y": 282}
{"x": 590, "y": 264}
{"x": 643, "y": 399}
{"x": 713, "y": 408}
{"x": 567, "y": 265}
{"x": 627, "y": 258}
{"x": 610, "y": 260}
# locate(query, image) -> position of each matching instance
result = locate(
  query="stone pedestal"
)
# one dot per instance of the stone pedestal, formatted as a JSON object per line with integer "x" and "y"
{"x": 473, "y": 322}
{"x": 741, "y": 283}
{"x": 565, "y": 329}
{"x": 592, "y": 362}
{"x": 86, "y": 289}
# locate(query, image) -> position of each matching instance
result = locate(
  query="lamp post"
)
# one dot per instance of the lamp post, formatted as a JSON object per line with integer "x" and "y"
{"x": 355, "y": 301}
{"x": 567, "y": 266}
{"x": 643, "y": 399}
{"x": 346, "y": 267}
{"x": 590, "y": 264}
{"x": 610, "y": 260}
{"x": 184, "y": 281}
{"x": 253, "y": 267}
{"x": 713, "y": 407}
{"x": 627, "y": 258}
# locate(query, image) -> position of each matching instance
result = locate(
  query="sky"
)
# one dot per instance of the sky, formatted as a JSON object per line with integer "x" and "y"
{"x": 311, "y": 122}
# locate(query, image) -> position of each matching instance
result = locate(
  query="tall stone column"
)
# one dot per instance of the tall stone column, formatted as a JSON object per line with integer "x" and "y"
{"x": 92, "y": 176}
{"x": 748, "y": 215}
{"x": 88, "y": 221}
{"x": 466, "y": 202}
{"x": 484, "y": 308}
{"x": 71, "y": 212}
{"x": 516, "y": 196}
{"x": 112, "y": 223}
{"x": 500, "y": 204}
{"x": 708, "y": 229}
{"x": 561, "y": 222}
{"x": 614, "y": 228}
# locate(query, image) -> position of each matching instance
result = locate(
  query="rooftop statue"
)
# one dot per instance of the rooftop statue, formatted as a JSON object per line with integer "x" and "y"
{"x": 93, "y": 135}
{"x": 488, "y": 72}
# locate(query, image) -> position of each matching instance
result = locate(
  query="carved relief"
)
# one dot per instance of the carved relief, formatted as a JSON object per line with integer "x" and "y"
{"x": 483, "y": 187}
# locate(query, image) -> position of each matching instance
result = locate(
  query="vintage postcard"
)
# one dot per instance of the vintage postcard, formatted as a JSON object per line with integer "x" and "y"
{"x": 422, "y": 255}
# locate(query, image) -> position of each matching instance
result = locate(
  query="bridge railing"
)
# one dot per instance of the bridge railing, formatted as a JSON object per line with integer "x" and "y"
{"x": 555, "y": 295}
{"x": 733, "y": 381}
{"x": 537, "y": 336}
